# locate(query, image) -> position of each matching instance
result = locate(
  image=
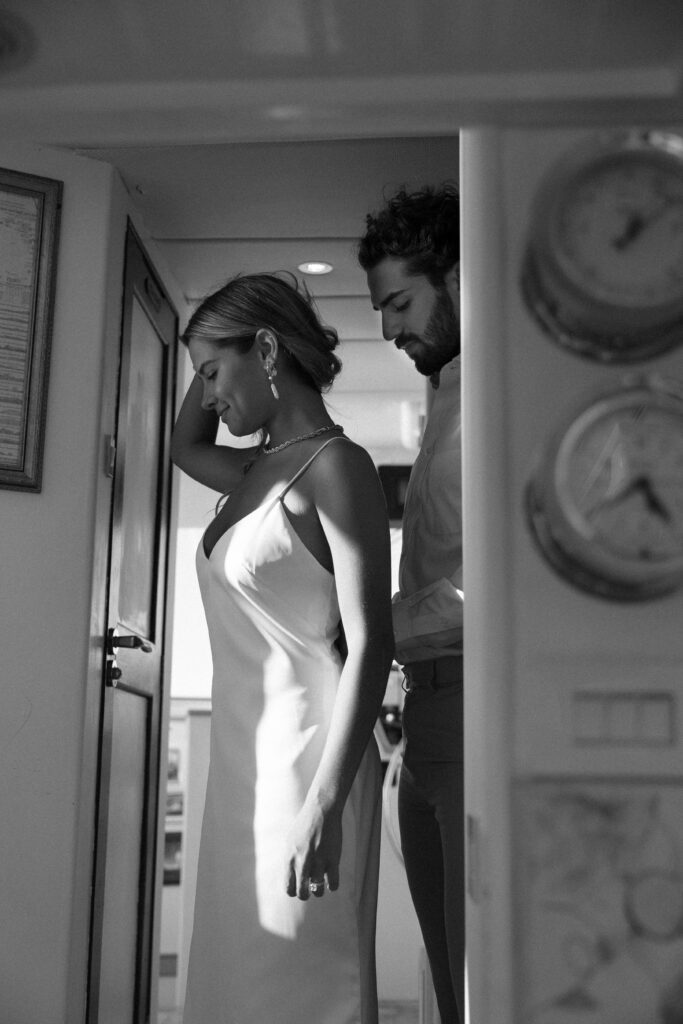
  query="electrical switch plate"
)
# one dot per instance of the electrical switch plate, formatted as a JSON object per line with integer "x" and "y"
{"x": 636, "y": 719}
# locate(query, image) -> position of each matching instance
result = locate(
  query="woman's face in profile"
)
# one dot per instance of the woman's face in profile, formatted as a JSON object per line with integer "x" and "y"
{"x": 235, "y": 384}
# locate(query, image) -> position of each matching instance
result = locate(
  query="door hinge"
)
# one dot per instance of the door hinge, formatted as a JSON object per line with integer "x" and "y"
{"x": 109, "y": 455}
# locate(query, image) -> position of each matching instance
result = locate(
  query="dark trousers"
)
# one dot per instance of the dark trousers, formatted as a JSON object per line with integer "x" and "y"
{"x": 431, "y": 820}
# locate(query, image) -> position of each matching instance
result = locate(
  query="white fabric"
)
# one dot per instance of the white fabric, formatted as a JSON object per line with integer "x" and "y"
{"x": 259, "y": 956}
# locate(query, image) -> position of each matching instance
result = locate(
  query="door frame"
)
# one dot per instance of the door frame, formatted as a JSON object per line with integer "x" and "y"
{"x": 134, "y": 252}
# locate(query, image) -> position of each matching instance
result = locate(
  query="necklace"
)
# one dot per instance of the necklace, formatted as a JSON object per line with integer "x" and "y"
{"x": 301, "y": 437}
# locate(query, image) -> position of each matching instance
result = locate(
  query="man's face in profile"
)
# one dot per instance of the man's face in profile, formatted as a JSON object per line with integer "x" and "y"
{"x": 421, "y": 319}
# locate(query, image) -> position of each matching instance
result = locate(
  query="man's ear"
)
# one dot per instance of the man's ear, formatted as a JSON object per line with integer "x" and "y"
{"x": 452, "y": 276}
{"x": 267, "y": 344}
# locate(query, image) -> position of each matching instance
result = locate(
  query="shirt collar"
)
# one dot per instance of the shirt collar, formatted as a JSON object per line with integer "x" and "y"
{"x": 449, "y": 372}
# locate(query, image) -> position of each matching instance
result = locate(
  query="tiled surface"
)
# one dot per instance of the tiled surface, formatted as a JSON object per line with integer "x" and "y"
{"x": 389, "y": 1013}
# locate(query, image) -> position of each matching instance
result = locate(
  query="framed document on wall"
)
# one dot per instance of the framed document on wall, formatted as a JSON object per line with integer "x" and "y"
{"x": 30, "y": 208}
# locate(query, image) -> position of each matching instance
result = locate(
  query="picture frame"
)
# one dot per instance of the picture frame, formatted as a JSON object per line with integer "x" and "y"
{"x": 30, "y": 209}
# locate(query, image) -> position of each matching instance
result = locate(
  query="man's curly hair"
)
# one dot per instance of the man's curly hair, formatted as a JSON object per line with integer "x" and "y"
{"x": 422, "y": 228}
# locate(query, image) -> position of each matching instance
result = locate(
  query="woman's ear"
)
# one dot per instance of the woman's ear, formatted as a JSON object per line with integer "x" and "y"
{"x": 267, "y": 344}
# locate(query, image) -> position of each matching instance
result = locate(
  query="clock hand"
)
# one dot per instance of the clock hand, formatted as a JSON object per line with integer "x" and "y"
{"x": 652, "y": 500}
{"x": 634, "y": 227}
{"x": 613, "y": 499}
{"x": 640, "y": 485}
{"x": 610, "y": 454}
{"x": 637, "y": 223}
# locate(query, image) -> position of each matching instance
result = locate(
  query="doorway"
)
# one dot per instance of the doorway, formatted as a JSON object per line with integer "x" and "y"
{"x": 222, "y": 209}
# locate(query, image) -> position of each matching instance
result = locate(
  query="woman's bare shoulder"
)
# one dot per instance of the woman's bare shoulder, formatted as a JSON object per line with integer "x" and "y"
{"x": 342, "y": 456}
{"x": 345, "y": 474}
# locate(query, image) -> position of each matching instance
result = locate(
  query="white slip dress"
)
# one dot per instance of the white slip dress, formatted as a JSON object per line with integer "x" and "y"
{"x": 259, "y": 956}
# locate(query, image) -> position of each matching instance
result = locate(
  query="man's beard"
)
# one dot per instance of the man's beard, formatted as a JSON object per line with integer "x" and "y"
{"x": 441, "y": 340}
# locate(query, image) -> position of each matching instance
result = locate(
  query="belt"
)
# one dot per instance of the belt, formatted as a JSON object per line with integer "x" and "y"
{"x": 434, "y": 673}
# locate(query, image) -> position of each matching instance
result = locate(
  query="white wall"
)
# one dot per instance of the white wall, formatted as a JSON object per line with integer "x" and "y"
{"x": 535, "y": 642}
{"x": 53, "y": 553}
{"x": 47, "y": 556}
{"x": 488, "y": 696}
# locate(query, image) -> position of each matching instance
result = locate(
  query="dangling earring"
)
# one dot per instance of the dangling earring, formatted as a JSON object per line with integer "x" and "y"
{"x": 271, "y": 373}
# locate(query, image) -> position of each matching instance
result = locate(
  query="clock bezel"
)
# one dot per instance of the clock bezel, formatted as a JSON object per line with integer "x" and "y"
{"x": 554, "y": 520}
{"x": 579, "y": 321}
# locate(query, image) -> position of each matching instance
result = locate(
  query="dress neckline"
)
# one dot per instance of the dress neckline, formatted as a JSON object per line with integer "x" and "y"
{"x": 278, "y": 498}
{"x": 226, "y": 531}
{"x": 266, "y": 507}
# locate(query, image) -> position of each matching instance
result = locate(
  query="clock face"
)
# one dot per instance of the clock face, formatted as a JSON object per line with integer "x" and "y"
{"x": 607, "y": 502}
{"x": 603, "y": 272}
{"x": 619, "y": 231}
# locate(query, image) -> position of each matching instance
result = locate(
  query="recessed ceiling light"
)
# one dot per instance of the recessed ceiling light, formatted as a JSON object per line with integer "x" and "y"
{"x": 315, "y": 267}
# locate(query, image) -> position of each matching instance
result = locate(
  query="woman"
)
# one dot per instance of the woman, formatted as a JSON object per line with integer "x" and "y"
{"x": 293, "y": 568}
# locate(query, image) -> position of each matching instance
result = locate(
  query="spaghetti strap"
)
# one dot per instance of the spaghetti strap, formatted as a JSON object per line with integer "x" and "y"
{"x": 300, "y": 472}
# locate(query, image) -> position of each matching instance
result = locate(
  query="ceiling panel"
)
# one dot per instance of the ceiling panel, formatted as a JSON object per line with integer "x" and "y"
{"x": 122, "y": 72}
{"x": 172, "y": 40}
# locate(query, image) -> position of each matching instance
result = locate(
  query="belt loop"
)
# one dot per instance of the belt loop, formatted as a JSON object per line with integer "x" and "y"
{"x": 421, "y": 674}
{"x": 431, "y": 680}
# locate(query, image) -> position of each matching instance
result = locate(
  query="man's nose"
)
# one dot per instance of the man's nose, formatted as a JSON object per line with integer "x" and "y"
{"x": 390, "y": 327}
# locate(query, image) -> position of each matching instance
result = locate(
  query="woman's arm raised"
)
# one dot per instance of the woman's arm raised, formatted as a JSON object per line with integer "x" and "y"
{"x": 194, "y": 448}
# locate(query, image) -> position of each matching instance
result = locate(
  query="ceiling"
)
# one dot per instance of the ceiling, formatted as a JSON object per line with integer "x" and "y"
{"x": 214, "y": 211}
{"x": 253, "y": 134}
{"x": 212, "y": 40}
{"x": 141, "y": 72}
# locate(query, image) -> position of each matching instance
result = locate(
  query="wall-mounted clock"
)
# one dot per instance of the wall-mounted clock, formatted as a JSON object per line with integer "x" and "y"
{"x": 605, "y": 503}
{"x": 603, "y": 269}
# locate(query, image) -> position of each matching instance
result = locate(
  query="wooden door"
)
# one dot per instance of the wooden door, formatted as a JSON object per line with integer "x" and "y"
{"x": 119, "y": 987}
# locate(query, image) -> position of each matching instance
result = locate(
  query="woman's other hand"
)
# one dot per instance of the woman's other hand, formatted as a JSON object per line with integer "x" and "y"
{"x": 314, "y": 849}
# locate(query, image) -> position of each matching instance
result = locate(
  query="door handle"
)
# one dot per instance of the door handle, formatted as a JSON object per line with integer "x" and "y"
{"x": 135, "y": 642}
{"x": 130, "y": 641}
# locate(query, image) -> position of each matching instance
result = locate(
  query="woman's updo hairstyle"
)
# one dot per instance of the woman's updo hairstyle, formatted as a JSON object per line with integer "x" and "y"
{"x": 247, "y": 303}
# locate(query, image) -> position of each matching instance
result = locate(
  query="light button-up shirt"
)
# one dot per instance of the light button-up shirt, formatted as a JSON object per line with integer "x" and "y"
{"x": 428, "y": 610}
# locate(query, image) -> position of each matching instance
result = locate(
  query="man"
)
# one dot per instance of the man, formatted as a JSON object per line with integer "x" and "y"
{"x": 410, "y": 252}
